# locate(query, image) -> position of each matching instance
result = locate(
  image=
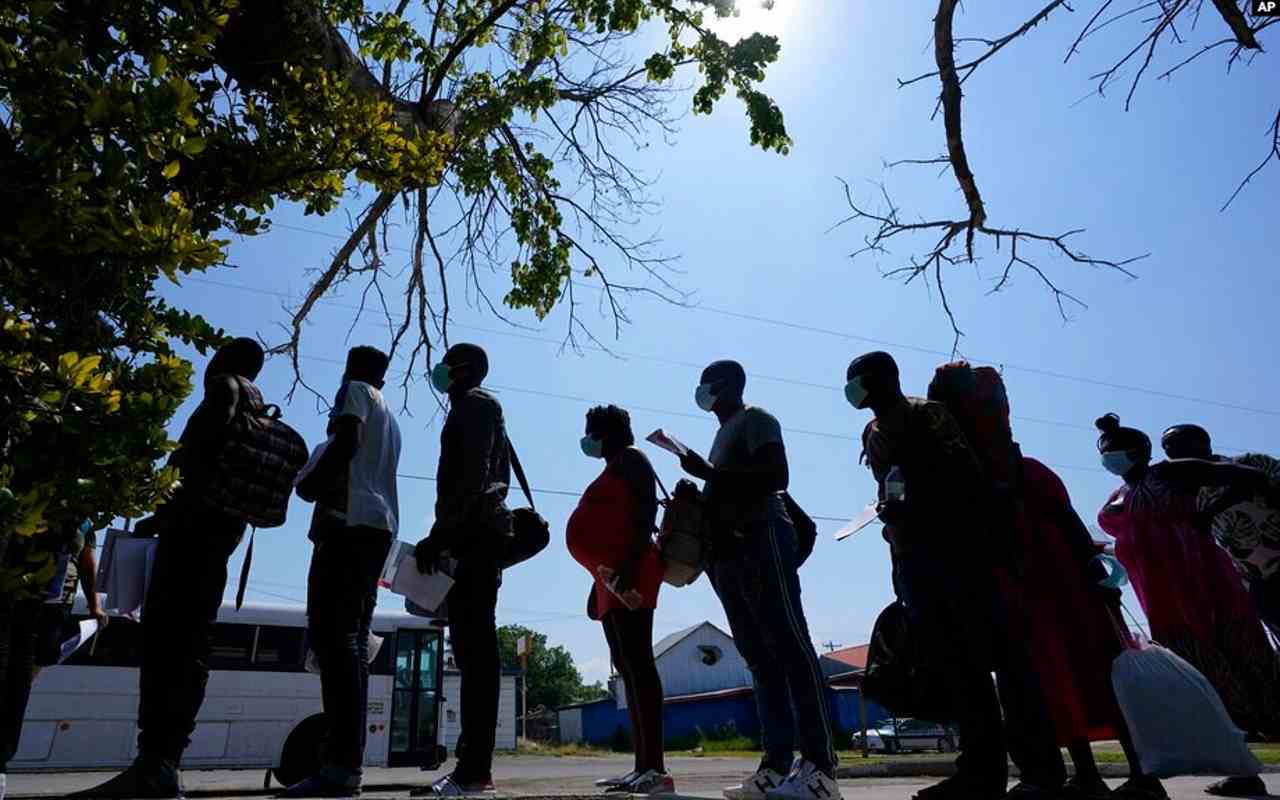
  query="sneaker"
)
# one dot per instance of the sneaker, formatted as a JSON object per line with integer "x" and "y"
{"x": 757, "y": 787}
{"x": 609, "y": 783}
{"x": 806, "y": 782}
{"x": 1144, "y": 788}
{"x": 146, "y": 778}
{"x": 325, "y": 783}
{"x": 957, "y": 787}
{"x": 448, "y": 787}
{"x": 651, "y": 782}
{"x": 1247, "y": 786}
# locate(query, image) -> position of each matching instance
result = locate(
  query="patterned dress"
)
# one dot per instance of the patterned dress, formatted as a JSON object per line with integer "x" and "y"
{"x": 1248, "y": 530}
{"x": 1194, "y": 598}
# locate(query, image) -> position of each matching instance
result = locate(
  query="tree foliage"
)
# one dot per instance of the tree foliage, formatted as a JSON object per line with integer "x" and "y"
{"x": 137, "y": 135}
{"x": 553, "y": 679}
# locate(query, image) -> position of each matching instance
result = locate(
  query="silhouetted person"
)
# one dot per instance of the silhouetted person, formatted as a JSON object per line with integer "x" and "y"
{"x": 943, "y": 530}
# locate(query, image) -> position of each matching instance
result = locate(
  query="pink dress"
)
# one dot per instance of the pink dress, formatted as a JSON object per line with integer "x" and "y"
{"x": 1194, "y": 598}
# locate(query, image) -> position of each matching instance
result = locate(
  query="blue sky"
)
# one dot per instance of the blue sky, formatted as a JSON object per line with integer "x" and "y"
{"x": 751, "y": 230}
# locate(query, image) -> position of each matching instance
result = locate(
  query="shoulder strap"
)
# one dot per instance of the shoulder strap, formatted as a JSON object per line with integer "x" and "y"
{"x": 519, "y": 471}
{"x": 665, "y": 493}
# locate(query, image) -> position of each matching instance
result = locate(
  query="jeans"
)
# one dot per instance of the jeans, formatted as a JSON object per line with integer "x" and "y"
{"x": 958, "y": 609}
{"x": 18, "y": 621}
{"x": 630, "y": 637}
{"x": 342, "y": 589}
{"x": 187, "y": 582}
{"x": 759, "y": 588}
{"x": 473, "y": 631}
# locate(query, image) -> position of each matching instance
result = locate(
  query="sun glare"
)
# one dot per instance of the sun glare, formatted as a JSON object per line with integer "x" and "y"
{"x": 756, "y": 16}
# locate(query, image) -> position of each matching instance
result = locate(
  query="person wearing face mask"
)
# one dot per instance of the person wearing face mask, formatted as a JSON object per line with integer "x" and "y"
{"x": 1242, "y": 513}
{"x": 1195, "y": 602}
{"x": 753, "y": 569}
{"x": 610, "y": 534}
{"x": 945, "y": 541}
{"x": 471, "y": 515}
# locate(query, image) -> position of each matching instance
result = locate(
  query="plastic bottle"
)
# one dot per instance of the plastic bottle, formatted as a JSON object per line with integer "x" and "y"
{"x": 895, "y": 485}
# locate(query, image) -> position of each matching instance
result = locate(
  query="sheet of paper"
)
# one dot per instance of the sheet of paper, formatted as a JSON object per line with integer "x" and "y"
{"x": 668, "y": 443}
{"x": 859, "y": 522}
{"x": 126, "y": 573}
{"x": 312, "y": 461}
{"x": 88, "y": 628}
{"x": 404, "y": 579}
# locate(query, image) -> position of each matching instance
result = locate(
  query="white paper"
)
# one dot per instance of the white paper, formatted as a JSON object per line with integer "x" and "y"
{"x": 88, "y": 628}
{"x": 312, "y": 662}
{"x": 400, "y": 576}
{"x": 668, "y": 443}
{"x": 868, "y": 515}
{"x": 312, "y": 461}
{"x": 125, "y": 573}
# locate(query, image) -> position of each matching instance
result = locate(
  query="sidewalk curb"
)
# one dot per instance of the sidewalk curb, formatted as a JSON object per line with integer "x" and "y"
{"x": 945, "y": 769}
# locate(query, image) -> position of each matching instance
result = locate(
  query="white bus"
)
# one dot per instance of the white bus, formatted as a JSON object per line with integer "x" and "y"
{"x": 262, "y": 708}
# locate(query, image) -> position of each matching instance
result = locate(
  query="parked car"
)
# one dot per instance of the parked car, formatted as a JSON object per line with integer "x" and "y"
{"x": 910, "y": 735}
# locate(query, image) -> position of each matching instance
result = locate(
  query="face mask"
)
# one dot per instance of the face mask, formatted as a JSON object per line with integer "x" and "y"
{"x": 855, "y": 392}
{"x": 704, "y": 397}
{"x": 592, "y": 447}
{"x": 1118, "y": 462}
{"x": 1116, "y": 574}
{"x": 441, "y": 377}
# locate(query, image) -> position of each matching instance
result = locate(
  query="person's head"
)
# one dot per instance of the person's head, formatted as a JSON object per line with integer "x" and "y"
{"x": 367, "y": 365}
{"x": 1123, "y": 449}
{"x": 608, "y": 432}
{"x": 241, "y": 356}
{"x": 721, "y": 386}
{"x": 1187, "y": 441}
{"x": 464, "y": 366}
{"x": 872, "y": 380}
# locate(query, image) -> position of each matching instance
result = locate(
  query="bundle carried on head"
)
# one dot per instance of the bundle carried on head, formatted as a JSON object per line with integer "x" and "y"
{"x": 977, "y": 399}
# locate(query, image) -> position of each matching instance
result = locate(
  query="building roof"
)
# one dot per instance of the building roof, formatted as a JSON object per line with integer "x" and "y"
{"x": 667, "y": 642}
{"x": 851, "y": 657}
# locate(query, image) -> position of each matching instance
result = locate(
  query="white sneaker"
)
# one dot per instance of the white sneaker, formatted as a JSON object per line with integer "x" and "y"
{"x": 806, "y": 782}
{"x": 757, "y": 787}
{"x": 609, "y": 783}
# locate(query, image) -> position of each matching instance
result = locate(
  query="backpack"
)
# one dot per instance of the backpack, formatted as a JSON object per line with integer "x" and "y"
{"x": 899, "y": 674}
{"x": 253, "y": 473}
{"x": 977, "y": 399}
{"x": 682, "y": 536}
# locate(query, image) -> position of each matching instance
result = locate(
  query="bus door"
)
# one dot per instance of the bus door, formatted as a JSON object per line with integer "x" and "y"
{"x": 415, "y": 704}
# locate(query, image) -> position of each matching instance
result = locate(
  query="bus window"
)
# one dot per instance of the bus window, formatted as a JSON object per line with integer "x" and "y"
{"x": 279, "y": 648}
{"x": 232, "y": 646}
{"x": 117, "y": 645}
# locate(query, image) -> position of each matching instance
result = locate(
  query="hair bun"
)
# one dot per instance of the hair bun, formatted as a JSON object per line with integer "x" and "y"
{"x": 1108, "y": 423}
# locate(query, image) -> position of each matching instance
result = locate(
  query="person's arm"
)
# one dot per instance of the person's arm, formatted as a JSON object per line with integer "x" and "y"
{"x": 1198, "y": 472}
{"x": 87, "y": 566}
{"x": 199, "y": 444}
{"x": 347, "y": 431}
{"x": 637, "y": 472}
{"x": 766, "y": 470}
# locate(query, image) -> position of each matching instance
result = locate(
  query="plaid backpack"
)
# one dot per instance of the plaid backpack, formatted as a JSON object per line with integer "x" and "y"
{"x": 252, "y": 476}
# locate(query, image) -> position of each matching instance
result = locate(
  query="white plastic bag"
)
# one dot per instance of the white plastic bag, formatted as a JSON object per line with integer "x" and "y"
{"x": 124, "y": 572}
{"x": 1178, "y": 723}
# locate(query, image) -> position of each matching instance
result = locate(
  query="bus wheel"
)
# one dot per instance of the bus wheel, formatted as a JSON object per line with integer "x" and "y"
{"x": 301, "y": 757}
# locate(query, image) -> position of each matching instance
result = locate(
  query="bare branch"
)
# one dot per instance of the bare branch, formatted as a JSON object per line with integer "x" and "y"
{"x": 1272, "y": 154}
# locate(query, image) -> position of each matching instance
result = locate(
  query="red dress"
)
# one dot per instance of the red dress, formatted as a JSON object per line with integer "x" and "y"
{"x": 1074, "y": 635}
{"x": 600, "y": 532}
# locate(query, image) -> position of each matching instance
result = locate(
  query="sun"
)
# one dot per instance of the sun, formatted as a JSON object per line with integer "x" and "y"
{"x": 755, "y": 16}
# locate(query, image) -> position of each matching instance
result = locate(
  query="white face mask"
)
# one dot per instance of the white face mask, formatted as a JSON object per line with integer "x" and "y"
{"x": 1118, "y": 462}
{"x": 704, "y": 397}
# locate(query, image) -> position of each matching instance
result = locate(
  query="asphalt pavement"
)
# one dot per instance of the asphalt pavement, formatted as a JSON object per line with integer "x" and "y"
{"x": 536, "y": 777}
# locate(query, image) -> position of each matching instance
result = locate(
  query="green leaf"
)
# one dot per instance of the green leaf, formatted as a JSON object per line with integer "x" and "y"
{"x": 158, "y": 65}
{"x": 193, "y": 146}
{"x": 171, "y": 169}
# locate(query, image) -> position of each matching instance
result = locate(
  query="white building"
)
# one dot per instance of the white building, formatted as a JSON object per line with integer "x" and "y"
{"x": 698, "y": 659}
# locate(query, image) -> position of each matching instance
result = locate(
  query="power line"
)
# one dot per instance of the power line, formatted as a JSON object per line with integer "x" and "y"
{"x": 645, "y": 357}
{"x": 902, "y": 346}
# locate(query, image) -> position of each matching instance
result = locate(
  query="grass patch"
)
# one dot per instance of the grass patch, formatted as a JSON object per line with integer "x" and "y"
{"x": 528, "y": 748}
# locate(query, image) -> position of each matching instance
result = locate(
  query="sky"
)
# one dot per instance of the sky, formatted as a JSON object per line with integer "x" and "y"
{"x": 773, "y": 286}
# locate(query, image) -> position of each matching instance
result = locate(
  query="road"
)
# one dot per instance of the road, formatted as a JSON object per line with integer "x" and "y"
{"x": 537, "y": 776}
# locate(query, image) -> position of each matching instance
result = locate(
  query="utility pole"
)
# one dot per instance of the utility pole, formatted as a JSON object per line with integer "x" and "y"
{"x": 831, "y": 646}
{"x": 522, "y": 646}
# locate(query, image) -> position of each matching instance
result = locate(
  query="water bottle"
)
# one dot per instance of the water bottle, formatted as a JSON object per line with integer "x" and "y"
{"x": 895, "y": 485}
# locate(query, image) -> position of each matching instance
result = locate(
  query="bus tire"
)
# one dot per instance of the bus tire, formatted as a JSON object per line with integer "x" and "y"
{"x": 301, "y": 756}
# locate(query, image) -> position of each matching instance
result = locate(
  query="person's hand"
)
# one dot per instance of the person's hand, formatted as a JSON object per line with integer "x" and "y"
{"x": 98, "y": 614}
{"x": 892, "y": 512}
{"x": 427, "y": 552}
{"x": 697, "y": 466}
